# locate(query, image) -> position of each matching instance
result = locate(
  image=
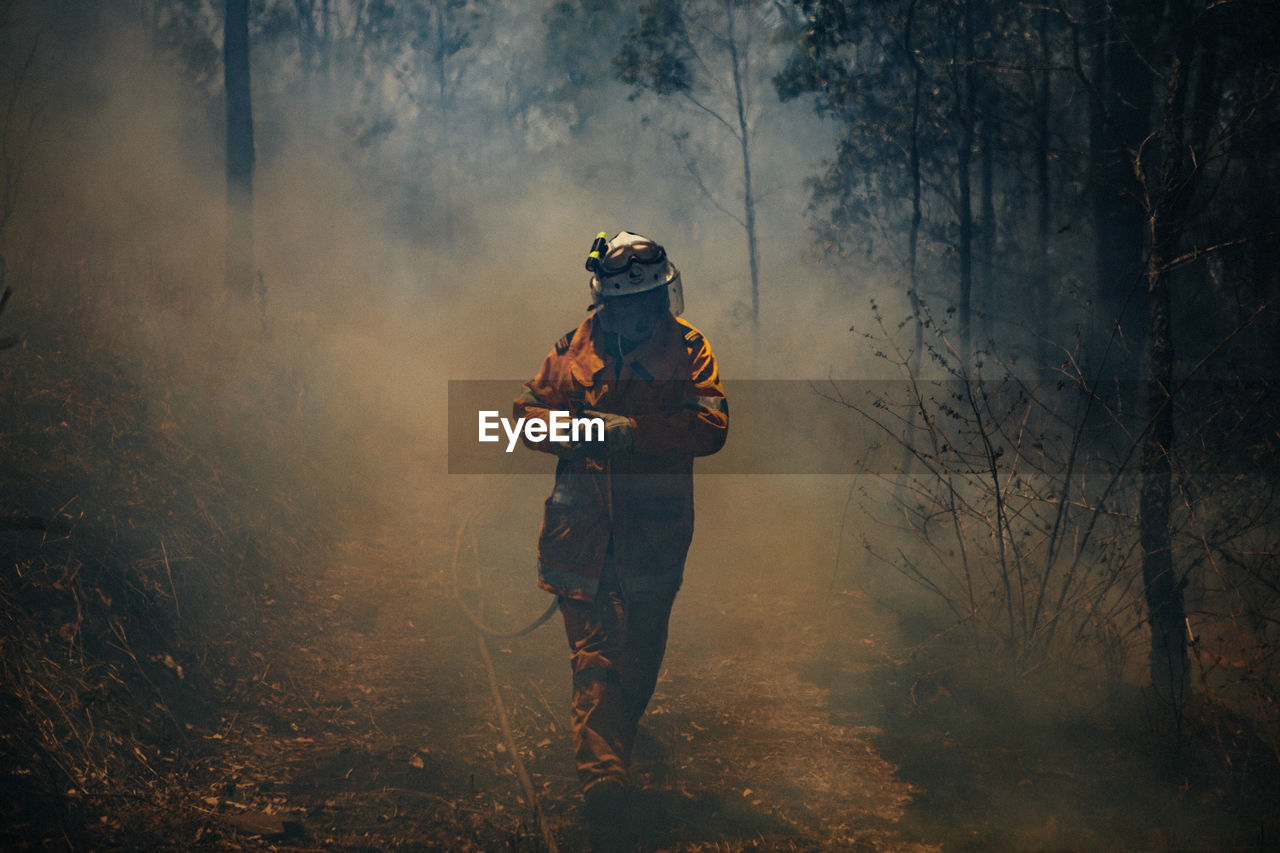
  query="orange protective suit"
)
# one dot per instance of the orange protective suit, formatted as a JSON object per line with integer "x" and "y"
{"x": 616, "y": 530}
{"x": 641, "y": 502}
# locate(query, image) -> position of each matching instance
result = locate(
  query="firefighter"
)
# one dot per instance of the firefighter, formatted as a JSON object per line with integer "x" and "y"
{"x": 617, "y": 526}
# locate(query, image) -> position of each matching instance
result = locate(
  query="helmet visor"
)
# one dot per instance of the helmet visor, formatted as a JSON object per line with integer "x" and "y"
{"x": 621, "y": 258}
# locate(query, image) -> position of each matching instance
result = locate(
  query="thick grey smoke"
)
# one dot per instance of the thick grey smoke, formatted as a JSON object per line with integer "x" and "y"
{"x": 390, "y": 265}
{"x": 401, "y": 246}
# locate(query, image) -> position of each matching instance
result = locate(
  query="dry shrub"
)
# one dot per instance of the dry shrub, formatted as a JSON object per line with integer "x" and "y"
{"x": 1016, "y": 509}
{"x": 144, "y": 490}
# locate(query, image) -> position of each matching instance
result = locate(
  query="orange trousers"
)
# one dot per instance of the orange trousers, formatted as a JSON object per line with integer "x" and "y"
{"x": 616, "y": 646}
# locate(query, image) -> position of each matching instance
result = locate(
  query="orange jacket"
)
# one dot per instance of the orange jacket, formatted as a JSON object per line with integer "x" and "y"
{"x": 640, "y": 502}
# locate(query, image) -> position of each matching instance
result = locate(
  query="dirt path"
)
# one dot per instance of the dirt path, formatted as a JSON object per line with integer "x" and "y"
{"x": 367, "y": 723}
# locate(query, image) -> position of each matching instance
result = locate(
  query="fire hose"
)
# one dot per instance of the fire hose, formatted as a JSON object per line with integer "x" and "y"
{"x": 483, "y": 632}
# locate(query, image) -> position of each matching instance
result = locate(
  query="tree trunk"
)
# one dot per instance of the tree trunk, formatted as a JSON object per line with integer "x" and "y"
{"x": 305, "y": 11}
{"x": 442, "y": 77}
{"x": 1040, "y": 295}
{"x": 913, "y": 251}
{"x": 985, "y": 97}
{"x": 748, "y": 198}
{"x": 239, "y": 260}
{"x": 1165, "y": 608}
{"x": 987, "y": 225}
{"x": 326, "y": 46}
{"x": 1118, "y": 125}
{"x": 964, "y": 202}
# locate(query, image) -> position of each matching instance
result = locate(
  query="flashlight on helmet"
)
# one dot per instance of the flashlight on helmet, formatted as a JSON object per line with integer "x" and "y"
{"x": 598, "y": 248}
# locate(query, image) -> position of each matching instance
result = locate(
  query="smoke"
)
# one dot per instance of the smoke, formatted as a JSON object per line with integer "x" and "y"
{"x": 390, "y": 265}
{"x": 386, "y": 272}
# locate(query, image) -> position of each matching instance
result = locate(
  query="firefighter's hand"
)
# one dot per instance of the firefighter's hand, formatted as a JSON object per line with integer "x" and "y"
{"x": 618, "y": 434}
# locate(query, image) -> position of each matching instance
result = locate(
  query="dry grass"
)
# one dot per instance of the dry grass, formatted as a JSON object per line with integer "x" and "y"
{"x": 129, "y": 540}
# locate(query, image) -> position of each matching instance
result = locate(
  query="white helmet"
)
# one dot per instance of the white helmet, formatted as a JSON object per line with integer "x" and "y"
{"x": 630, "y": 264}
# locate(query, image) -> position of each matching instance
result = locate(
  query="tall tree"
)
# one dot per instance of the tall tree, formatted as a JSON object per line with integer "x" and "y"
{"x": 1159, "y": 143}
{"x": 706, "y": 54}
{"x": 581, "y": 41}
{"x": 240, "y": 156}
{"x": 1178, "y": 102}
{"x": 18, "y": 47}
{"x": 908, "y": 84}
{"x": 441, "y": 32}
{"x": 1166, "y": 208}
{"x": 1119, "y": 39}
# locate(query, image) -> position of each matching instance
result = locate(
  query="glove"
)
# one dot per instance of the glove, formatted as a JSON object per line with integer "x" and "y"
{"x": 619, "y": 436}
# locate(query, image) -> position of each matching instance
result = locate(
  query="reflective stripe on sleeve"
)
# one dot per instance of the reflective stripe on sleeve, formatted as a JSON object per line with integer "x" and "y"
{"x": 713, "y": 404}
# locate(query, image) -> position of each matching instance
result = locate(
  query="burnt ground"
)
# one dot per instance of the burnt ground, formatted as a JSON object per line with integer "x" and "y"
{"x": 366, "y": 723}
{"x": 785, "y": 719}
{"x": 349, "y": 710}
